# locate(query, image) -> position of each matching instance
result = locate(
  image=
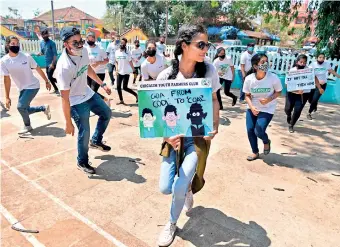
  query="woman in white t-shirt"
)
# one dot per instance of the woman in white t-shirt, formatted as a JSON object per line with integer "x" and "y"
{"x": 17, "y": 67}
{"x": 321, "y": 70}
{"x": 124, "y": 67}
{"x": 226, "y": 71}
{"x": 153, "y": 64}
{"x": 261, "y": 89}
{"x": 192, "y": 44}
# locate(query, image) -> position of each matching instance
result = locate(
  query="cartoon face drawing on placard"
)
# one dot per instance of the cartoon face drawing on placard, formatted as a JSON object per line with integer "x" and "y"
{"x": 170, "y": 117}
{"x": 148, "y": 120}
{"x": 196, "y": 116}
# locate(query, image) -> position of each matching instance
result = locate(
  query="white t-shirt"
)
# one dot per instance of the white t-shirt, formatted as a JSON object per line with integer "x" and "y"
{"x": 152, "y": 69}
{"x": 224, "y": 67}
{"x": 304, "y": 91}
{"x": 73, "y": 77}
{"x": 321, "y": 70}
{"x": 97, "y": 54}
{"x": 123, "y": 59}
{"x": 111, "y": 49}
{"x": 19, "y": 68}
{"x": 136, "y": 56}
{"x": 246, "y": 60}
{"x": 161, "y": 48}
{"x": 260, "y": 89}
{"x": 211, "y": 73}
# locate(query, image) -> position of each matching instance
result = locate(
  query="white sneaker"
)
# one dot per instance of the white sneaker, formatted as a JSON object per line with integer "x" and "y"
{"x": 47, "y": 112}
{"x": 167, "y": 235}
{"x": 189, "y": 201}
{"x": 25, "y": 129}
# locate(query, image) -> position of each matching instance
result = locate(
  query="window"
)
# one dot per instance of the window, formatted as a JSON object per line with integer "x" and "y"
{"x": 300, "y": 20}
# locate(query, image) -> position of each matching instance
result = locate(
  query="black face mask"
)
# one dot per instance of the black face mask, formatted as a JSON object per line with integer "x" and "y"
{"x": 222, "y": 56}
{"x": 300, "y": 66}
{"x": 15, "y": 49}
{"x": 320, "y": 62}
{"x": 91, "y": 43}
{"x": 151, "y": 53}
{"x": 137, "y": 45}
{"x": 162, "y": 42}
{"x": 46, "y": 38}
{"x": 122, "y": 47}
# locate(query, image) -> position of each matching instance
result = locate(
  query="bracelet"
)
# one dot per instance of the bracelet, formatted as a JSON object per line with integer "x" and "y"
{"x": 103, "y": 85}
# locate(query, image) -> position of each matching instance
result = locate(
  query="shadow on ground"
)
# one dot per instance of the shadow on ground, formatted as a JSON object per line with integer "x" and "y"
{"x": 45, "y": 130}
{"x": 119, "y": 114}
{"x": 116, "y": 168}
{"x": 211, "y": 227}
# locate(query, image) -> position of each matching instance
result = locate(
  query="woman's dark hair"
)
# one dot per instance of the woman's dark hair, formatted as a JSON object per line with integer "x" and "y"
{"x": 8, "y": 41}
{"x": 255, "y": 61}
{"x": 151, "y": 41}
{"x": 185, "y": 34}
{"x": 320, "y": 53}
{"x": 301, "y": 56}
{"x": 218, "y": 52}
{"x": 125, "y": 50}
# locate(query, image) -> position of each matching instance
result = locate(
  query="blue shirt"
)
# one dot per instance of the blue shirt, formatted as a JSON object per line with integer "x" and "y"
{"x": 148, "y": 132}
{"x": 49, "y": 49}
{"x": 206, "y": 129}
{"x": 168, "y": 131}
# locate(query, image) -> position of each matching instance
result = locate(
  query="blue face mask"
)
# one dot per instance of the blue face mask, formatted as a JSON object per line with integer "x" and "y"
{"x": 250, "y": 49}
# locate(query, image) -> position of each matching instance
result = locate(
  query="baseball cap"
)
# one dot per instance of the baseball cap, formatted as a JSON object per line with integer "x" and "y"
{"x": 67, "y": 32}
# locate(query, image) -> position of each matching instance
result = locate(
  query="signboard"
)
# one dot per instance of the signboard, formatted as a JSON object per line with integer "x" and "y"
{"x": 172, "y": 107}
{"x": 301, "y": 79}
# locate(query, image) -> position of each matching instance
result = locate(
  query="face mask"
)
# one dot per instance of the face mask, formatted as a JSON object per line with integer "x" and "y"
{"x": 15, "y": 49}
{"x": 162, "y": 42}
{"x": 122, "y": 47}
{"x": 222, "y": 56}
{"x": 250, "y": 49}
{"x": 137, "y": 45}
{"x": 91, "y": 43}
{"x": 320, "y": 62}
{"x": 151, "y": 53}
{"x": 300, "y": 66}
{"x": 264, "y": 67}
{"x": 46, "y": 38}
{"x": 77, "y": 52}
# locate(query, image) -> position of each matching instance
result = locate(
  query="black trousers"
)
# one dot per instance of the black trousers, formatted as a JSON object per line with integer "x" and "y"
{"x": 314, "y": 98}
{"x": 94, "y": 85}
{"x": 49, "y": 73}
{"x": 227, "y": 85}
{"x": 124, "y": 79}
{"x": 295, "y": 104}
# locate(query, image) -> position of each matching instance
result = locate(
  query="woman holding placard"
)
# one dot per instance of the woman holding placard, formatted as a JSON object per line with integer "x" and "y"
{"x": 296, "y": 100}
{"x": 261, "y": 89}
{"x": 192, "y": 43}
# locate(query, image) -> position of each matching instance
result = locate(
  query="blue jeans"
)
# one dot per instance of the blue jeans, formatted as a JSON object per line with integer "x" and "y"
{"x": 25, "y": 98}
{"x": 81, "y": 116}
{"x": 256, "y": 128}
{"x": 242, "y": 94}
{"x": 170, "y": 182}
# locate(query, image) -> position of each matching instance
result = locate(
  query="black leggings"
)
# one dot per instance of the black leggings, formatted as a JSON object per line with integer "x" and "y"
{"x": 125, "y": 80}
{"x": 295, "y": 102}
{"x": 53, "y": 81}
{"x": 227, "y": 85}
{"x": 94, "y": 85}
{"x": 314, "y": 98}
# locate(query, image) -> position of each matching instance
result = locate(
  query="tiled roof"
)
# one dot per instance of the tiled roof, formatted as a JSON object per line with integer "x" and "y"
{"x": 18, "y": 22}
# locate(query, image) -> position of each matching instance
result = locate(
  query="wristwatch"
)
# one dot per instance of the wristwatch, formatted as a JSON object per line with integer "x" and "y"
{"x": 103, "y": 85}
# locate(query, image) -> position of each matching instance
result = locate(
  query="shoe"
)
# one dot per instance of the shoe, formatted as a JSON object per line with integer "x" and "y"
{"x": 309, "y": 116}
{"x": 252, "y": 158}
{"x": 234, "y": 101}
{"x": 291, "y": 129}
{"x": 289, "y": 118}
{"x": 167, "y": 235}
{"x": 221, "y": 108}
{"x": 189, "y": 201}
{"x": 25, "y": 129}
{"x": 100, "y": 146}
{"x": 121, "y": 103}
{"x": 267, "y": 151}
{"x": 57, "y": 92}
{"x": 86, "y": 168}
{"x": 47, "y": 112}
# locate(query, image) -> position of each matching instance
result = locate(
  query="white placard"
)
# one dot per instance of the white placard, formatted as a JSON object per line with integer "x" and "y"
{"x": 301, "y": 79}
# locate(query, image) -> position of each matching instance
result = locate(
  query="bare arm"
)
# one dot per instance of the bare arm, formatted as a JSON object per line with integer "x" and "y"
{"x": 65, "y": 99}
{"x": 216, "y": 109}
{"x": 332, "y": 71}
{"x": 131, "y": 64}
{"x": 7, "y": 81}
{"x": 233, "y": 72}
{"x": 42, "y": 74}
{"x": 93, "y": 75}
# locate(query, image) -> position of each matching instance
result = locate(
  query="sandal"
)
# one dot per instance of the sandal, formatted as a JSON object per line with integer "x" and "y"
{"x": 252, "y": 158}
{"x": 267, "y": 151}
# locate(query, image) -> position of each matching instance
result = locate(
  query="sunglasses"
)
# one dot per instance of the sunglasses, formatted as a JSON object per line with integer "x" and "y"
{"x": 78, "y": 43}
{"x": 201, "y": 44}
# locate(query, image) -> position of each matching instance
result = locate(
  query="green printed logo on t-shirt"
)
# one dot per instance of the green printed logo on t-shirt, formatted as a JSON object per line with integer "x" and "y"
{"x": 260, "y": 90}
{"x": 224, "y": 68}
{"x": 82, "y": 70}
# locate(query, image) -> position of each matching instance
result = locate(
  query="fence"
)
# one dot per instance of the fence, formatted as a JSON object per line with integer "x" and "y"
{"x": 278, "y": 64}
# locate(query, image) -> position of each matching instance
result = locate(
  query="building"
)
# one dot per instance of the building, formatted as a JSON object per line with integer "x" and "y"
{"x": 132, "y": 34}
{"x": 11, "y": 23}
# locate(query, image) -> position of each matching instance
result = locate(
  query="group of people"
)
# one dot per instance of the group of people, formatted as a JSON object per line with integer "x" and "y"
{"x": 80, "y": 71}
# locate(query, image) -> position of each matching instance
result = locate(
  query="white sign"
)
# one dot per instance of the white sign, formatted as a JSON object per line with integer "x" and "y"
{"x": 300, "y": 79}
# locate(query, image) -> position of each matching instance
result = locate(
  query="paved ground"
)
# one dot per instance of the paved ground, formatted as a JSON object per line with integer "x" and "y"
{"x": 121, "y": 206}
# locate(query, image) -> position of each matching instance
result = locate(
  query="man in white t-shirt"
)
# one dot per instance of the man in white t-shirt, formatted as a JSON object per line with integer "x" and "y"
{"x": 245, "y": 66}
{"x": 111, "y": 53}
{"x": 17, "y": 67}
{"x": 161, "y": 47}
{"x": 136, "y": 56}
{"x": 78, "y": 99}
{"x": 321, "y": 70}
{"x": 153, "y": 64}
{"x": 98, "y": 60}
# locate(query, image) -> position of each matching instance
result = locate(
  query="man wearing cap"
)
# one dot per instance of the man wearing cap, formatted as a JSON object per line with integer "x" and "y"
{"x": 49, "y": 49}
{"x": 78, "y": 99}
{"x": 245, "y": 64}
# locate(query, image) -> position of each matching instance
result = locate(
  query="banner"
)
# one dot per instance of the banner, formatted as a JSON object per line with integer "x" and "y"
{"x": 172, "y": 107}
{"x": 300, "y": 79}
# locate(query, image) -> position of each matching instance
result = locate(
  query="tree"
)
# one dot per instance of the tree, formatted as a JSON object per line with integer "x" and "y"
{"x": 36, "y": 12}
{"x": 239, "y": 14}
{"x": 13, "y": 14}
